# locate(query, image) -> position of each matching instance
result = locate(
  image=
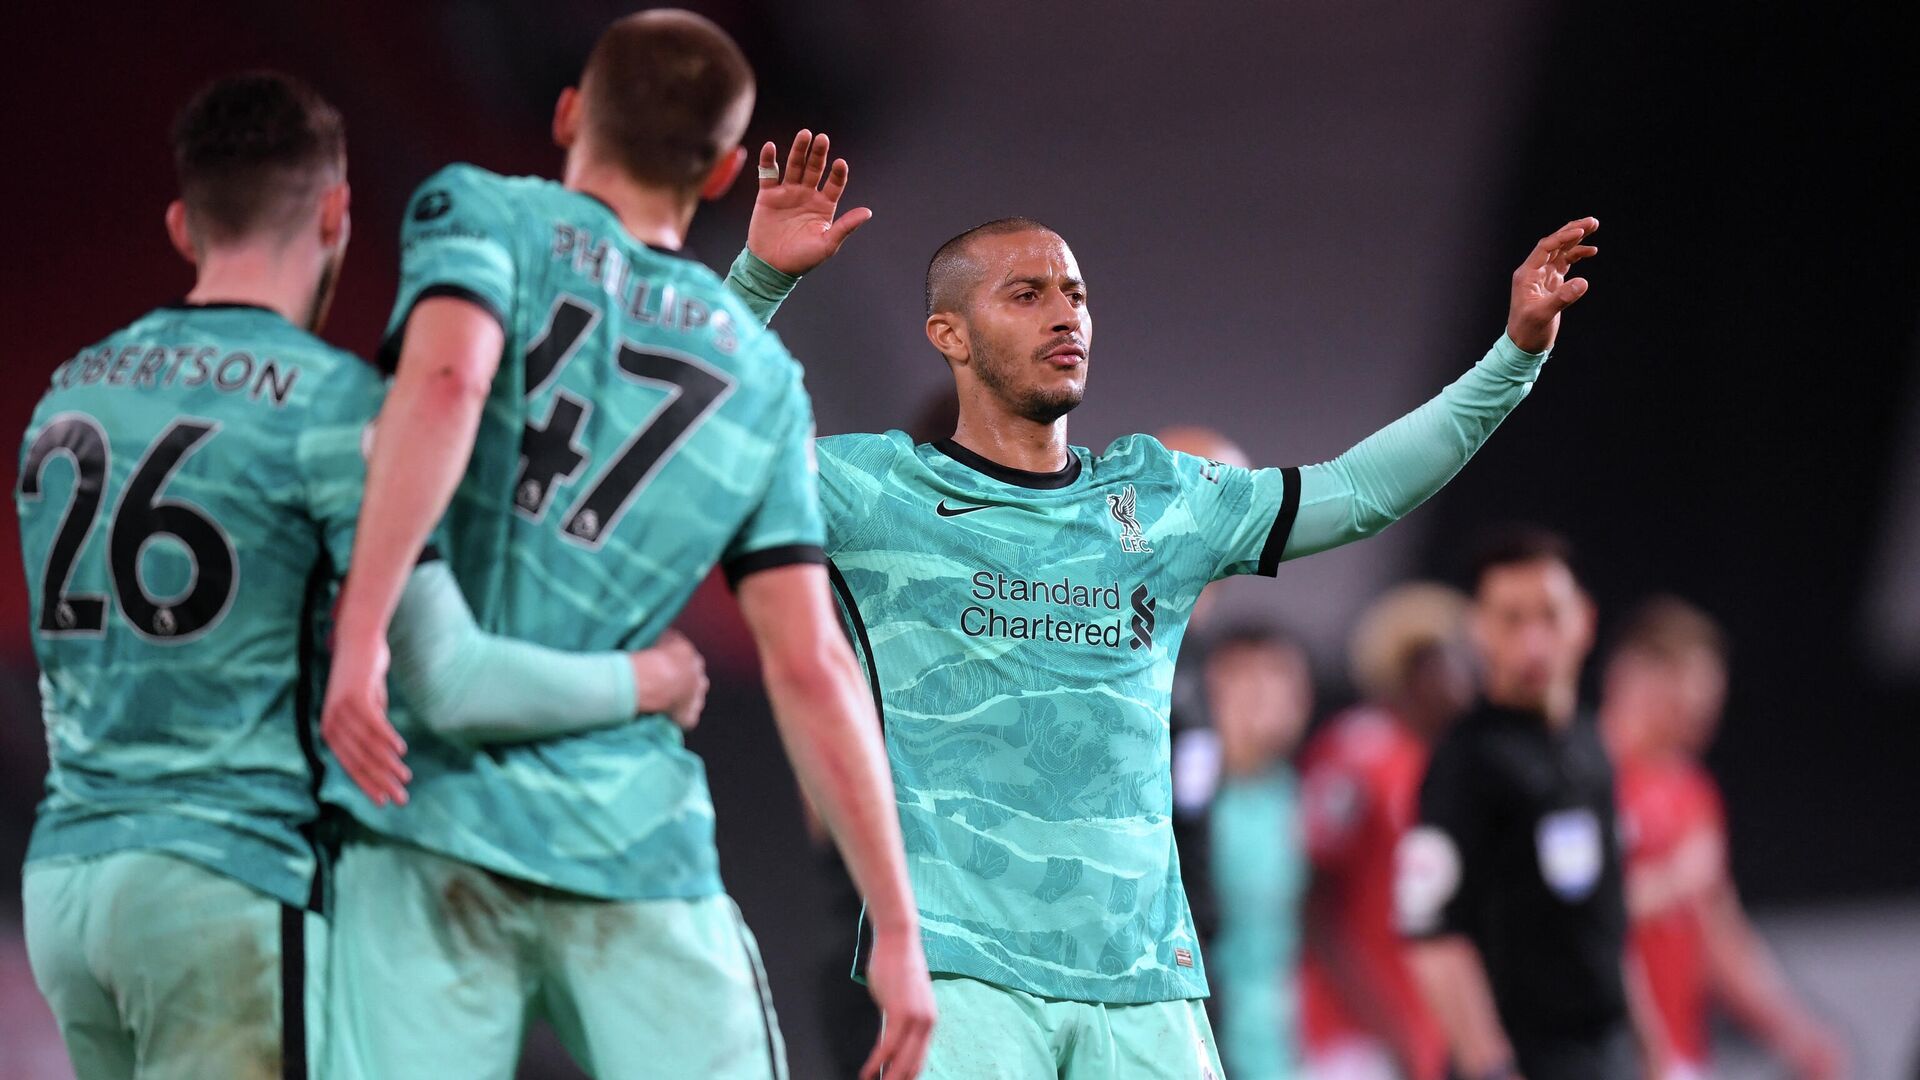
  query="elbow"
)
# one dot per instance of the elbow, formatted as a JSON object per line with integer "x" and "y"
{"x": 454, "y": 386}
{"x": 816, "y": 670}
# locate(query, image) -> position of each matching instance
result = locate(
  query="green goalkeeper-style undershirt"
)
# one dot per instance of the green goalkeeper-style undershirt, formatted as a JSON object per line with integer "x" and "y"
{"x": 1376, "y": 482}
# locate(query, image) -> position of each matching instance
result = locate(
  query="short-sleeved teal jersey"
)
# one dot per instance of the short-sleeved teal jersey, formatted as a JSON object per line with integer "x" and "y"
{"x": 187, "y": 487}
{"x": 642, "y": 428}
{"x": 1020, "y": 631}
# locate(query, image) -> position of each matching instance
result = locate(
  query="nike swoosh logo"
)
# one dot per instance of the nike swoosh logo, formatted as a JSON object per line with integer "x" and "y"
{"x": 955, "y": 511}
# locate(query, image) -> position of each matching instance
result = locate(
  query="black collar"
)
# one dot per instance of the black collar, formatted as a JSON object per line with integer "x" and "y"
{"x": 1045, "y": 481}
{"x": 218, "y": 305}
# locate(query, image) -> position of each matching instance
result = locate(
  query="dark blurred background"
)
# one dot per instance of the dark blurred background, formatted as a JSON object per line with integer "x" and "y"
{"x": 1298, "y": 221}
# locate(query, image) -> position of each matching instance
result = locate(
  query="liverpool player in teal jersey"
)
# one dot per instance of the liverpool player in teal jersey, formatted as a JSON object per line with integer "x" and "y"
{"x": 188, "y": 485}
{"x": 1019, "y": 602}
{"x": 615, "y": 424}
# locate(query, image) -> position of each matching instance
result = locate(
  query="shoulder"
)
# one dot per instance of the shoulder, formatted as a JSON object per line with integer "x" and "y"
{"x": 465, "y": 191}
{"x": 1141, "y": 455}
{"x": 332, "y": 381}
{"x": 864, "y": 452}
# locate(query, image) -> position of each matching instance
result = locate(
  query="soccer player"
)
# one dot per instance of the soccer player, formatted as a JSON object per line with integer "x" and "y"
{"x": 602, "y": 423}
{"x": 1019, "y": 603}
{"x": 187, "y": 490}
{"x": 1509, "y": 886}
{"x": 1362, "y": 1015}
{"x": 1260, "y": 695}
{"x": 1664, "y": 687}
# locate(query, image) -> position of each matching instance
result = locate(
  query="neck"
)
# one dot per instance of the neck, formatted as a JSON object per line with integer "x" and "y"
{"x": 653, "y": 216}
{"x": 1012, "y": 440}
{"x": 265, "y": 277}
{"x": 1557, "y": 708}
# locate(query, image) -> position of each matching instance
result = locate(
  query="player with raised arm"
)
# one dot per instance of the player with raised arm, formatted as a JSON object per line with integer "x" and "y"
{"x": 1019, "y": 602}
{"x": 602, "y": 422}
{"x": 187, "y": 490}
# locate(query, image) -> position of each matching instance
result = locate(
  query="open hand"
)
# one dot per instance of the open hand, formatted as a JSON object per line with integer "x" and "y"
{"x": 354, "y": 723}
{"x": 1542, "y": 289}
{"x": 793, "y": 228}
{"x": 671, "y": 678}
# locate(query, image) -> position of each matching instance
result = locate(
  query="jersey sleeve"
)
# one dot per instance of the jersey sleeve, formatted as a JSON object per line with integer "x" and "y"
{"x": 853, "y": 472}
{"x": 331, "y": 453}
{"x": 1440, "y": 866}
{"x": 455, "y": 240}
{"x": 785, "y": 528}
{"x": 1245, "y": 515}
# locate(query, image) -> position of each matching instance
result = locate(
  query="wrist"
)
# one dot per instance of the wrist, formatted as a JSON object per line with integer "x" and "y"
{"x": 761, "y": 277}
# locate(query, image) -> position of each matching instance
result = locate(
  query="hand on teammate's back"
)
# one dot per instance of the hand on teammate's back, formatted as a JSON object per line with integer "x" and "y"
{"x": 354, "y": 722}
{"x": 897, "y": 978}
{"x": 793, "y": 228}
{"x": 671, "y": 678}
{"x": 1542, "y": 289}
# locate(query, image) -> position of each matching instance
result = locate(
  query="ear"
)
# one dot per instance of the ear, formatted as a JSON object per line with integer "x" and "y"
{"x": 178, "y": 233}
{"x": 335, "y": 221}
{"x": 723, "y": 174}
{"x": 948, "y": 333}
{"x": 566, "y": 118}
{"x": 1589, "y": 622}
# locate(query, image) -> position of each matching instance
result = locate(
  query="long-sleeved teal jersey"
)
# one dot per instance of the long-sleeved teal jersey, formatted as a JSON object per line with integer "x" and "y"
{"x": 1020, "y": 631}
{"x": 642, "y": 427}
{"x": 187, "y": 486}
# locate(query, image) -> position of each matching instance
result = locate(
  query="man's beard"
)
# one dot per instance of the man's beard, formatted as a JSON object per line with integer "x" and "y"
{"x": 1042, "y": 406}
{"x": 323, "y": 294}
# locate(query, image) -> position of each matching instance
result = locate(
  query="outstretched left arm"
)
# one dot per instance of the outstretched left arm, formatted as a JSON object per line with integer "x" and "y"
{"x": 1397, "y": 468}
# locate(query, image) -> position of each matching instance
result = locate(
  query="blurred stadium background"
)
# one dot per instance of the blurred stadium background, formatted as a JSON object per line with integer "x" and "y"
{"x": 1298, "y": 221}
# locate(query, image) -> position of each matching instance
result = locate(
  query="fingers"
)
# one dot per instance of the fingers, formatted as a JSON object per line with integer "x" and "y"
{"x": 816, "y": 161}
{"x": 844, "y": 227}
{"x": 883, "y": 1052}
{"x": 797, "y": 157}
{"x": 769, "y": 159}
{"x": 836, "y": 180}
{"x": 369, "y": 750}
{"x": 1565, "y": 236}
{"x": 1564, "y": 259}
{"x": 902, "y": 1050}
{"x": 1570, "y": 290}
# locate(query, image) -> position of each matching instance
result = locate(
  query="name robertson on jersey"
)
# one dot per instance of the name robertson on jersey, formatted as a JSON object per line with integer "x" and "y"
{"x": 143, "y": 367}
{"x": 644, "y": 302}
{"x": 986, "y": 619}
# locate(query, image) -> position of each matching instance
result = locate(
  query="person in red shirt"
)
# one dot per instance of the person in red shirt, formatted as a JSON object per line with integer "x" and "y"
{"x": 1363, "y": 1015}
{"x": 1664, "y": 688}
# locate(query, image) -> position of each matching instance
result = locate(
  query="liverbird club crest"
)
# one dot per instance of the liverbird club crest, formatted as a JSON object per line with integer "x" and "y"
{"x": 1121, "y": 506}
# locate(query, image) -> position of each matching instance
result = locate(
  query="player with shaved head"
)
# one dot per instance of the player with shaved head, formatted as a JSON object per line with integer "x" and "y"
{"x": 602, "y": 423}
{"x": 1018, "y": 603}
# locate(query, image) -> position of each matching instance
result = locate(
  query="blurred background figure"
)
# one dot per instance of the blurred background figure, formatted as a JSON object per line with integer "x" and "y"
{"x": 1664, "y": 688}
{"x": 1196, "y": 746}
{"x": 1362, "y": 1014}
{"x": 1259, "y": 689}
{"x": 1510, "y": 885}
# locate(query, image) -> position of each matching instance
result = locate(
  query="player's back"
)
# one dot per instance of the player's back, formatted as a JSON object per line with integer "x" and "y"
{"x": 641, "y": 428}
{"x": 173, "y": 558}
{"x": 633, "y": 424}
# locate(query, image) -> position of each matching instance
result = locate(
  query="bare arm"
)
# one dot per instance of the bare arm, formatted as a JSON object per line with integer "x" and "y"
{"x": 420, "y": 449}
{"x": 825, "y": 714}
{"x": 1750, "y": 982}
{"x": 1454, "y": 982}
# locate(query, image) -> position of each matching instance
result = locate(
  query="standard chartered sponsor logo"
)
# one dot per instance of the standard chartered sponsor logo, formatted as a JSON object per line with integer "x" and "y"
{"x": 999, "y": 614}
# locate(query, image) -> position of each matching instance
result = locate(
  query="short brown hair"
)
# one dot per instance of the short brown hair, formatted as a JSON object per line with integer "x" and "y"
{"x": 1668, "y": 629}
{"x": 951, "y": 274}
{"x": 252, "y": 151}
{"x": 1517, "y": 544}
{"x": 667, "y": 93}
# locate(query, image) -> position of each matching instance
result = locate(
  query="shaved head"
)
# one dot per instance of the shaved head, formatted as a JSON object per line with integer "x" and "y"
{"x": 667, "y": 94}
{"x": 953, "y": 273}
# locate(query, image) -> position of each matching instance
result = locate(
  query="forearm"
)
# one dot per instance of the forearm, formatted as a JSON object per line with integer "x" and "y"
{"x": 1397, "y": 468}
{"x": 831, "y": 735}
{"x": 421, "y": 444}
{"x": 476, "y": 687}
{"x": 1746, "y": 977}
{"x": 759, "y": 286}
{"x": 1455, "y": 986}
